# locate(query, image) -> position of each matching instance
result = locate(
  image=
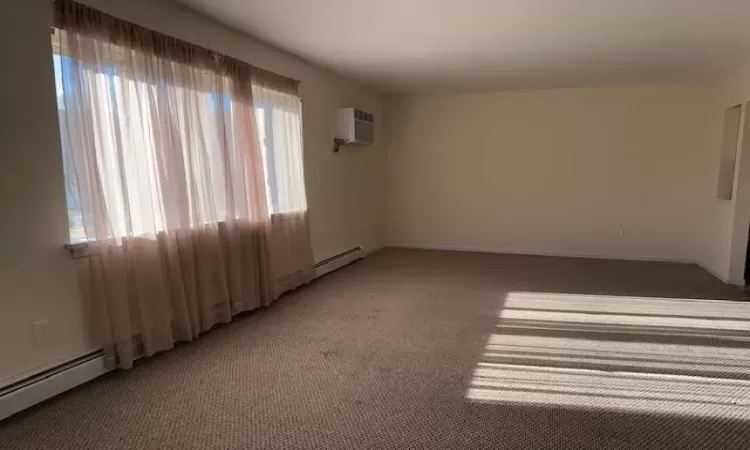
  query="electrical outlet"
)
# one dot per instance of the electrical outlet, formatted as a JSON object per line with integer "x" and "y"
{"x": 39, "y": 329}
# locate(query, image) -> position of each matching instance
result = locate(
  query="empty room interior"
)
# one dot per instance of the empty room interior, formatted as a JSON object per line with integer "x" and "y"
{"x": 339, "y": 224}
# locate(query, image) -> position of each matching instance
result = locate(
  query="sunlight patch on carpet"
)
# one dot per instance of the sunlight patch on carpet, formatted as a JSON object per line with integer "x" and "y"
{"x": 670, "y": 356}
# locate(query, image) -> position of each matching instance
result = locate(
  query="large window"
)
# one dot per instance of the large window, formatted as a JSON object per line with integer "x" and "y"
{"x": 146, "y": 125}
{"x": 183, "y": 176}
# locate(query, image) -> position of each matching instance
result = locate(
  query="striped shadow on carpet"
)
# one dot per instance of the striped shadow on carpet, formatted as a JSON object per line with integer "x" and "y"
{"x": 665, "y": 356}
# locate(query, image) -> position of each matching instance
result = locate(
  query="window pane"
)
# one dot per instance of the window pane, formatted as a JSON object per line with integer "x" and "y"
{"x": 156, "y": 144}
{"x": 279, "y": 119}
{"x": 265, "y": 138}
{"x": 132, "y": 130}
{"x": 75, "y": 214}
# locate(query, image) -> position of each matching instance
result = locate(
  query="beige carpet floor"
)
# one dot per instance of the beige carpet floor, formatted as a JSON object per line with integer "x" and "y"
{"x": 439, "y": 350}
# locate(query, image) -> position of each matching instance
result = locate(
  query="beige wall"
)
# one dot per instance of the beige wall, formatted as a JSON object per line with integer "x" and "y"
{"x": 561, "y": 171}
{"x": 37, "y": 277}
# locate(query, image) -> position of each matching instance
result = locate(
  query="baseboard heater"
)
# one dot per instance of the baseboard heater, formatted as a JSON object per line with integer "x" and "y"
{"x": 338, "y": 261}
{"x": 37, "y": 388}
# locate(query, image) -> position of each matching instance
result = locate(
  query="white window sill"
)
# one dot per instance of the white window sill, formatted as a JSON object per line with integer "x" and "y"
{"x": 78, "y": 250}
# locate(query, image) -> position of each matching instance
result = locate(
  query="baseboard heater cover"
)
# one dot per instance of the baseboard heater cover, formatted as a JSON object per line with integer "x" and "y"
{"x": 37, "y": 388}
{"x": 338, "y": 261}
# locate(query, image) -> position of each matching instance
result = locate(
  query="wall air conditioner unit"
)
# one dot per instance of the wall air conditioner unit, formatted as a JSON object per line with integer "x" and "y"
{"x": 355, "y": 128}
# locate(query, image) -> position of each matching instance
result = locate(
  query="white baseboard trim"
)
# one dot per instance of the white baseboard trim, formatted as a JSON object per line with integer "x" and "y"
{"x": 335, "y": 262}
{"x": 515, "y": 251}
{"x": 740, "y": 283}
{"x": 370, "y": 251}
{"x": 714, "y": 273}
{"x": 38, "y": 388}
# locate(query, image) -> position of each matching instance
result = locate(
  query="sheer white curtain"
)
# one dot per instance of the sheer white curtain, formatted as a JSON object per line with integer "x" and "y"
{"x": 280, "y": 128}
{"x": 279, "y": 121}
{"x": 168, "y": 181}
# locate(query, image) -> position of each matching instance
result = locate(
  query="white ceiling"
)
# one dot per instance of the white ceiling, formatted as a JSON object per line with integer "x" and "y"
{"x": 432, "y": 45}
